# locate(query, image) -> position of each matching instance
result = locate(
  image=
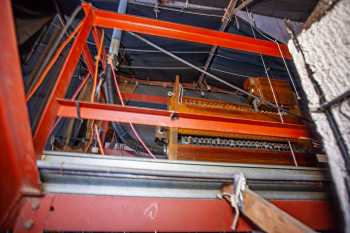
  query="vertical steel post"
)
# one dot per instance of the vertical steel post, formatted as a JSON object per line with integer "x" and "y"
{"x": 19, "y": 174}
{"x": 117, "y": 34}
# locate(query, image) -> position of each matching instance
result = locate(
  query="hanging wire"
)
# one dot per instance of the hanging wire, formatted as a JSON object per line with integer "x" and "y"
{"x": 268, "y": 37}
{"x": 270, "y": 84}
{"x": 177, "y": 10}
{"x": 131, "y": 125}
{"x": 75, "y": 95}
{"x": 98, "y": 57}
{"x": 53, "y": 60}
{"x": 98, "y": 139}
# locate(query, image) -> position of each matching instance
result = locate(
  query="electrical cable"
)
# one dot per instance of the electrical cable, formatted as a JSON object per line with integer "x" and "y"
{"x": 56, "y": 44}
{"x": 177, "y": 10}
{"x": 121, "y": 130}
{"x": 131, "y": 125}
{"x": 55, "y": 57}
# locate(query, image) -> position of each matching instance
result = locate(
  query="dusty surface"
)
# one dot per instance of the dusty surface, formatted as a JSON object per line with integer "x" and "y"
{"x": 326, "y": 48}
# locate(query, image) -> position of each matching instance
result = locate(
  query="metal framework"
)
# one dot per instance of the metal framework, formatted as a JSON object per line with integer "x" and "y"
{"x": 98, "y": 18}
{"x": 20, "y": 177}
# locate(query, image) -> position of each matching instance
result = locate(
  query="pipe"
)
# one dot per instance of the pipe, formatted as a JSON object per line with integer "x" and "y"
{"x": 231, "y": 10}
{"x": 117, "y": 34}
{"x": 337, "y": 100}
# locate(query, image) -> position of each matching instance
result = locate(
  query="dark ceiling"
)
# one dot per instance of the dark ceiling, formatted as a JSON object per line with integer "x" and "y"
{"x": 144, "y": 62}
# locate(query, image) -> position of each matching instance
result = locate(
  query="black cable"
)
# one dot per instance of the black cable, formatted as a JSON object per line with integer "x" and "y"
{"x": 55, "y": 45}
{"x": 121, "y": 131}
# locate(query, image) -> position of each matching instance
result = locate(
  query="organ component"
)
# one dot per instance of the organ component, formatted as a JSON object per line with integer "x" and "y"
{"x": 184, "y": 144}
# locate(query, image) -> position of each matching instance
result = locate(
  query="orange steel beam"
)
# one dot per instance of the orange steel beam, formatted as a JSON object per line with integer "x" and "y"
{"x": 166, "y": 29}
{"x": 95, "y": 18}
{"x": 59, "y": 90}
{"x": 147, "y": 116}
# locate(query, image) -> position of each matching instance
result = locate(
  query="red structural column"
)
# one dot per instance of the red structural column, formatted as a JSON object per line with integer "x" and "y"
{"x": 19, "y": 174}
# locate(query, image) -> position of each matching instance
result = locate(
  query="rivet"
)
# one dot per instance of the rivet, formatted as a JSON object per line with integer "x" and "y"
{"x": 28, "y": 224}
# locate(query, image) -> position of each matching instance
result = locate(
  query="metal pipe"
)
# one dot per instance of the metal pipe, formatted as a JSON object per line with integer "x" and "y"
{"x": 337, "y": 100}
{"x": 117, "y": 34}
{"x": 231, "y": 10}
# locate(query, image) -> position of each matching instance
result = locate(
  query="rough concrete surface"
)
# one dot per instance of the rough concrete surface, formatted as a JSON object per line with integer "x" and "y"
{"x": 326, "y": 49}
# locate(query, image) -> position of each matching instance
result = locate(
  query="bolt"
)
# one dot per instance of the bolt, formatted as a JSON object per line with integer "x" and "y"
{"x": 28, "y": 224}
{"x": 35, "y": 203}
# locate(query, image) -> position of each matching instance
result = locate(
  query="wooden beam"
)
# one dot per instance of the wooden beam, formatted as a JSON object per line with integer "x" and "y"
{"x": 267, "y": 216}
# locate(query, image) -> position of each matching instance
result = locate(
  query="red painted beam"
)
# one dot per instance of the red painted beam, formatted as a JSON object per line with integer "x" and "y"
{"x": 145, "y": 98}
{"x": 147, "y": 116}
{"x": 49, "y": 113}
{"x": 89, "y": 61}
{"x": 63, "y": 212}
{"x": 166, "y": 29}
{"x": 19, "y": 174}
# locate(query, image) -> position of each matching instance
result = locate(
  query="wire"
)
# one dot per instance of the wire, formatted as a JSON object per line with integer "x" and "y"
{"x": 272, "y": 89}
{"x": 123, "y": 104}
{"x": 75, "y": 95}
{"x": 231, "y": 73}
{"x": 96, "y": 68}
{"x": 51, "y": 63}
{"x": 156, "y": 51}
{"x": 268, "y": 37}
{"x": 98, "y": 138}
{"x": 177, "y": 10}
{"x": 50, "y": 53}
{"x": 191, "y": 65}
{"x": 179, "y": 68}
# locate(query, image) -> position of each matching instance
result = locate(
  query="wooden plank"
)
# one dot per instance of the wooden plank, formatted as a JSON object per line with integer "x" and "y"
{"x": 269, "y": 217}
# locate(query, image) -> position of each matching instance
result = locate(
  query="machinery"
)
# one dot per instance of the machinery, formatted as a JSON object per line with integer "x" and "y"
{"x": 186, "y": 144}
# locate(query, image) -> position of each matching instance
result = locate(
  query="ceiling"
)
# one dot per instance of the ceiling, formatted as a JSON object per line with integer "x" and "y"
{"x": 147, "y": 63}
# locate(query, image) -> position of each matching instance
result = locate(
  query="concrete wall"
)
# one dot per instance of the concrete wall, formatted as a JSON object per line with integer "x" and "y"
{"x": 323, "y": 55}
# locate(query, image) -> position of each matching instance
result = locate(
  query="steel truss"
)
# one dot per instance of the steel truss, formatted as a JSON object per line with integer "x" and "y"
{"x": 21, "y": 195}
